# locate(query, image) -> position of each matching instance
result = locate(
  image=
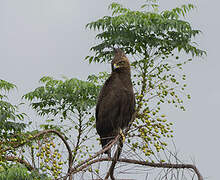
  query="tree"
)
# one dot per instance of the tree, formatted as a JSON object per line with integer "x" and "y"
{"x": 66, "y": 145}
{"x": 154, "y": 40}
{"x": 72, "y": 101}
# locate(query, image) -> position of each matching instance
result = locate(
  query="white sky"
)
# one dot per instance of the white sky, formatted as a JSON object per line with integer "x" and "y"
{"x": 48, "y": 37}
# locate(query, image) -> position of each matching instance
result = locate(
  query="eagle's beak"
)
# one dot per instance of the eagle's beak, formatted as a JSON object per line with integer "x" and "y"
{"x": 115, "y": 66}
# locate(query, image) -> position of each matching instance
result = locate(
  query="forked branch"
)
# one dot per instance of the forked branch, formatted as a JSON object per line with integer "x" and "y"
{"x": 80, "y": 166}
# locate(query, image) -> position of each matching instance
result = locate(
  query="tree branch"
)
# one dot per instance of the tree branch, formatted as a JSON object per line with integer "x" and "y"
{"x": 47, "y": 132}
{"x": 21, "y": 161}
{"x": 80, "y": 165}
{"x": 165, "y": 165}
{"x": 144, "y": 163}
{"x": 115, "y": 159}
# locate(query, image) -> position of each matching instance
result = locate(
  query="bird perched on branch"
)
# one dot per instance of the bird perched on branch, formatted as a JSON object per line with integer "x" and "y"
{"x": 116, "y": 102}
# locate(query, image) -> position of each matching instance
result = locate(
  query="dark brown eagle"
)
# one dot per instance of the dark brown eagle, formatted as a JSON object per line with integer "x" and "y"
{"x": 116, "y": 101}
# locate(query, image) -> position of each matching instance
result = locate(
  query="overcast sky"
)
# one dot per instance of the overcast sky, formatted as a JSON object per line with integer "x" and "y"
{"x": 48, "y": 37}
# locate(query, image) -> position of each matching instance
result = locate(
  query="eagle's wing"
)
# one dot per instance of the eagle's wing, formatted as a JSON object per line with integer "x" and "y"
{"x": 107, "y": 111}
{"x": 113, "y": 111}
{"x": 127, "y": 107}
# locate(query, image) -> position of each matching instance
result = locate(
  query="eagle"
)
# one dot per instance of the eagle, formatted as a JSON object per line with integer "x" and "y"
{"x": 116, "y": 101}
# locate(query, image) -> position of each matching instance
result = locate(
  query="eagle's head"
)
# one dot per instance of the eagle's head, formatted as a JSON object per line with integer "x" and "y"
{"x": 120, "y": 61}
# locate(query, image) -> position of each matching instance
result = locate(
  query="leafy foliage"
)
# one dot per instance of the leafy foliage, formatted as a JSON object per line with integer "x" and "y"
{"x": 20, "y": 172}
{"x": 57, "y": 96}
{"x": 147, "y": 33}
{"x": 8, "y": 112}
{"x": 11, "y": 128}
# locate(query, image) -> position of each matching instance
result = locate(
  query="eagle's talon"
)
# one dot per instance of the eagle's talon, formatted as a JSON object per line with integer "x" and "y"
{"x": 122, "y": 135}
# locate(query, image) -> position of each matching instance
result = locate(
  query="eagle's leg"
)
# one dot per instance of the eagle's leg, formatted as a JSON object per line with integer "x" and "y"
{"x": 109, "y": 153}
{"x": 122, "y": 135}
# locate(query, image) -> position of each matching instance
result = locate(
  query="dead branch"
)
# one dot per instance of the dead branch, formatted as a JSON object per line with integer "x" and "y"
{"x": 149, "y": 164}
{"x": 165, "y": 165}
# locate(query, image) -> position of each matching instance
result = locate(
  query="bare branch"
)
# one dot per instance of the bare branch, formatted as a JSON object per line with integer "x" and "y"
{"x": 21, "y": 161}
{"x": 80, "y": 166}
{"x": 165, "y": 165}
{"x": 149, "y": 164}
